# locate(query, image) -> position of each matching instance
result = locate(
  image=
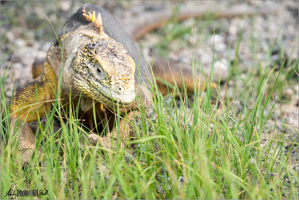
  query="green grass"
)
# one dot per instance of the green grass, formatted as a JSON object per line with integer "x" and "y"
{"x": 215, "y": 151}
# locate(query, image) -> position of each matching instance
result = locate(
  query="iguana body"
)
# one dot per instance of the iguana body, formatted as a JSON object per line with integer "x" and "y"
{"x": 99, "y": 63}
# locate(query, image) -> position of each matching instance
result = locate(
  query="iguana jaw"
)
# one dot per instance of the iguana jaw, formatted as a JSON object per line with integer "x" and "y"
{"x": 102, "y": 93}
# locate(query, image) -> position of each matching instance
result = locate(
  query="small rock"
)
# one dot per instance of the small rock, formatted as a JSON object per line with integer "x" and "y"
{"x": 239, "y": 83}
{"x": 30, "y": 53}
{"x": 234, "y": 27}
{"x": 220, "y": 70}
{"x": 17, "y": 66}
{"x": 10, "y": 35}
{"x": 189, "y": 22}
{"x": 45, "y": 46}
{"x": 30, "y": 35}
{"x": 40, "y": 12}
{"x": 65, "y": 5}
{"x": 230, "y": 92}
{"x": 218, "y": 42}
{"x": 243, "y": 76}
{"x": 41, "y": 55}
{"x": 215, "y": 39}
{"x": 222, "y": 94}
{"x": 20, "y": 42}
{"x": 53, "y": 18}
{"x": 185, "y": 60}
{"x": 204, "y": 57}
{"x": 14, "y": 58}
{"x": 136, "y": 10}
{"x": 257, "y": 3}
{"x": 296, "y": 89}
{"x": 193, "y": 39}
{"x": 181, "y": 179}
{"x": 220, "y": 47}
{"x": 288, "y": 93}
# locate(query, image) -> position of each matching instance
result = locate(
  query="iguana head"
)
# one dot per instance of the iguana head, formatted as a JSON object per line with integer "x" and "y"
{"x": 104, "y": 70}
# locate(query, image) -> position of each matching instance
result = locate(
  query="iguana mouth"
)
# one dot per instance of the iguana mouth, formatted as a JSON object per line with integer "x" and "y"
{"x": 103, "y": 94}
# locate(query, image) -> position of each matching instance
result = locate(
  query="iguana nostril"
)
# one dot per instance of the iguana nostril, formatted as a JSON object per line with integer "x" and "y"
{"x": 119, "y": 88}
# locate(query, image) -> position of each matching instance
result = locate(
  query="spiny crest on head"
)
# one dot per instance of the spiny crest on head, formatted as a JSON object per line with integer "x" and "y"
{"x": 96, "y": 21}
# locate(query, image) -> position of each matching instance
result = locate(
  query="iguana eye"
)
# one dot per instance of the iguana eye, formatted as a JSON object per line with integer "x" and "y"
{"x": 99, "y": 71}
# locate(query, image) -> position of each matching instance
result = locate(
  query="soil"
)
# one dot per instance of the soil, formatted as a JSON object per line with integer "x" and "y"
{"x": 26, "y": 35}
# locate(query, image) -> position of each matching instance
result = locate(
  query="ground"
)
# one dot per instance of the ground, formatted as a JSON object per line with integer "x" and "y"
{"x": 245, "y": 50}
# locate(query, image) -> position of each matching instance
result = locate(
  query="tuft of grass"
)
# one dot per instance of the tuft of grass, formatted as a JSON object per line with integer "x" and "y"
{"x": 184, "y": 148}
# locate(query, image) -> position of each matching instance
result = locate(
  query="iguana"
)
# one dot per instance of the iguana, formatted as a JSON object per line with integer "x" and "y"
{"x": 101, "y": 67}
{"x": 100, "y": 63}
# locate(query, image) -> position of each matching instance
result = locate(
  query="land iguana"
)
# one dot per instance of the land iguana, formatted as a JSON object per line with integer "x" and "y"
{"x": 100, "y": 63}
{"x": 101, "y": 67}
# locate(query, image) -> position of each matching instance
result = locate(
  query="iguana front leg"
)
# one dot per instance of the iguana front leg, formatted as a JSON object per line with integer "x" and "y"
{"x": 29, "y": 104}
{"x": 126, "y": 131}
{"x": 37, "y": 68}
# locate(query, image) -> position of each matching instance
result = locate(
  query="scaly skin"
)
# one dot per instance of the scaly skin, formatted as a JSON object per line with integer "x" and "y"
{"x": 29, "y": 104}
{"x": 93, "y": 64}
{"x": 103, "y": 67}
